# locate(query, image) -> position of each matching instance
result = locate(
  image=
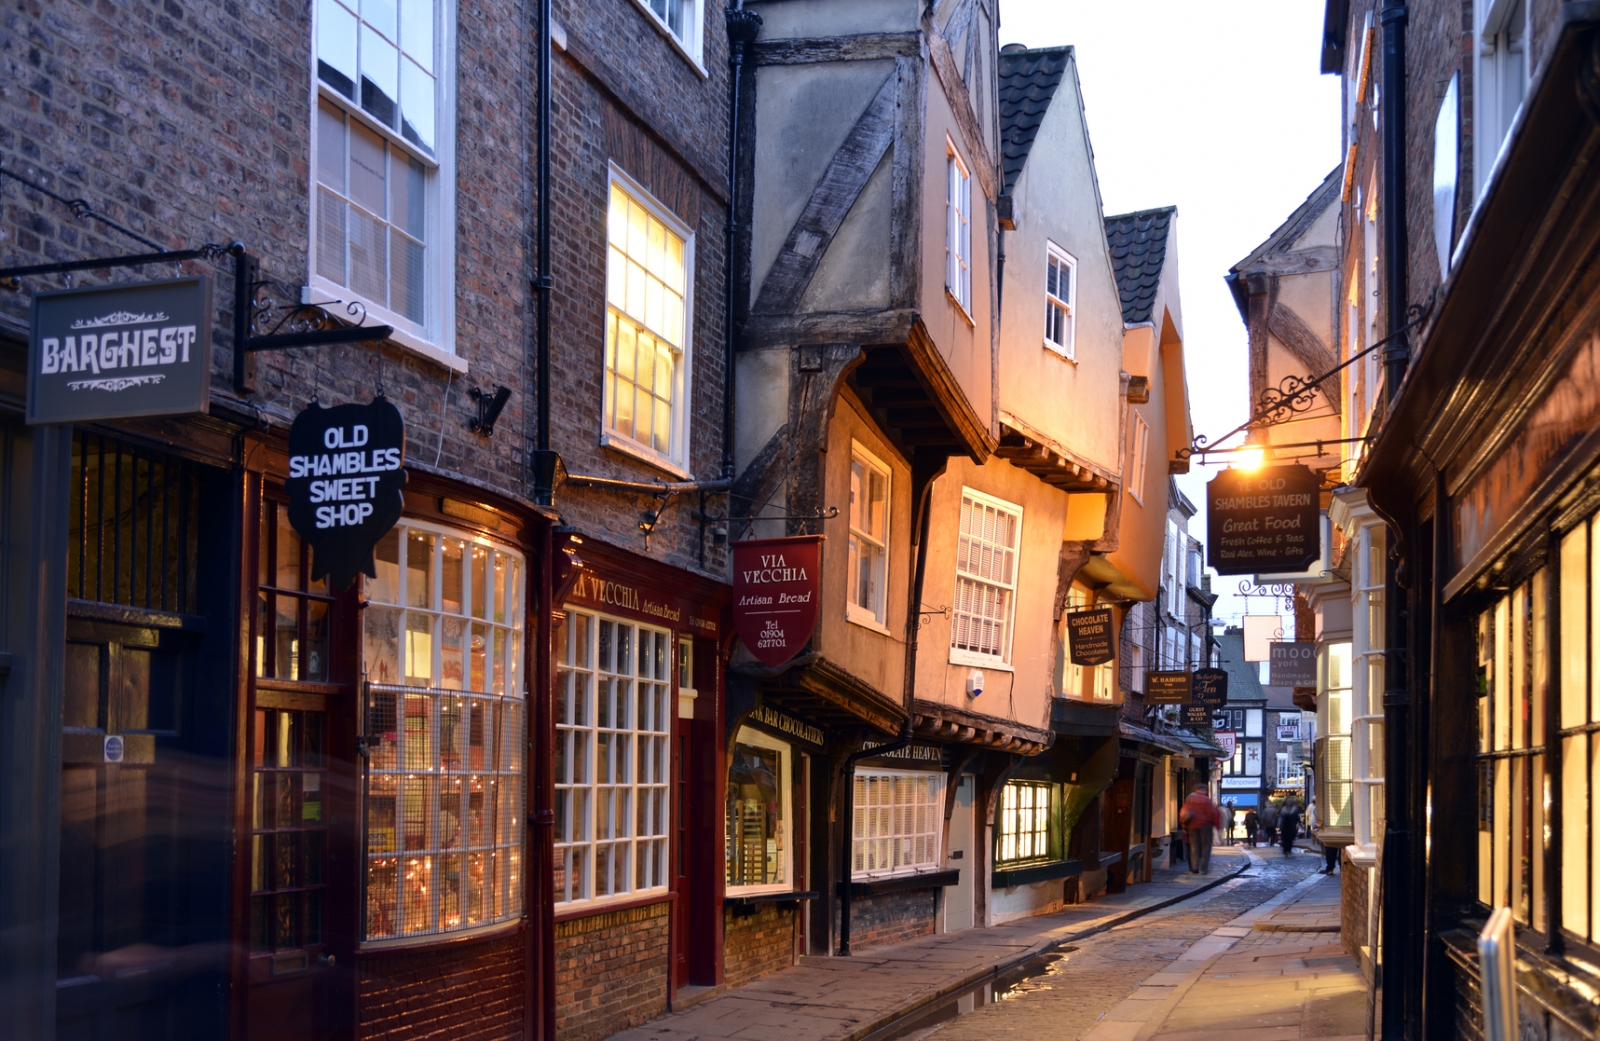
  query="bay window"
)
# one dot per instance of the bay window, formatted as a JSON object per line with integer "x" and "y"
{"x": 1334, "y": 697}
{"x": 898, "y": 822}
{"x": 759, "y": 817}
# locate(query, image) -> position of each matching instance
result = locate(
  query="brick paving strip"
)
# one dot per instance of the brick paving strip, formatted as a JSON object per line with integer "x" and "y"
{"x": 846, "y": 999}
{"x": 1254, "y": 979}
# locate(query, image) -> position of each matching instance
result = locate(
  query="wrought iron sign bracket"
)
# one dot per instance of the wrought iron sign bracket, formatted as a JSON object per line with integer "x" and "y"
{"x": 270, "y": 316}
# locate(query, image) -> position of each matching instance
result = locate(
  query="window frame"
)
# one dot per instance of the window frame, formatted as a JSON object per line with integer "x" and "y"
{"x": 1069, "y": 349}
{"x": 760, "y": 739}
{"x": 1051, "y": 834}
{"x": 860, "y": 813}
{"x": 676, "y": 462}
{"x": 978, "y": 659}
{"x": 690, "y": 46}
{"x": 857, "y": 613}
{"x": 1140, "y": 463}
{"x": 958, "y": 230}
{"x": 434, "y": 340}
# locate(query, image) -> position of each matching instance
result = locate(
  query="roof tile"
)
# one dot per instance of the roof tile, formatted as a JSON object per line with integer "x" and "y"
{"x": 1138, "y": 243}
{"x": 1028, "y": 80}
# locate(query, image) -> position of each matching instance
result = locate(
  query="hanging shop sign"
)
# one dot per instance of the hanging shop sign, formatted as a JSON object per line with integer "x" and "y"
{"x": 1228, "y": 740}
{"x": 1293, "y": 664}
{"x": 1196, "y": 714}
{"x": 1263, "y": 521}
{"x": 777, "y": 588}
{"x": 1210, "y": 689}
{"x": 1168, "y": 688}
{"x": 346, "y": 475}
{"x": 113, "y": 352}
{"x": 1091, "y": 636}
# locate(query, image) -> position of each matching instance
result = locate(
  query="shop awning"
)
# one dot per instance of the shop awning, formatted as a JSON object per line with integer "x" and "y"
{"x": 1081, "y": 719}
{"x": 1138, "y": 735}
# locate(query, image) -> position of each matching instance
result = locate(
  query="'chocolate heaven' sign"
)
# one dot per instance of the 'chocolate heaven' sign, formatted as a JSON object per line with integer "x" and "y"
{"x": 1091, "y": 635}
{"x": 346, "y": 472}
{"x": 777, "y": 588}
{"x": 1263, "y": 521}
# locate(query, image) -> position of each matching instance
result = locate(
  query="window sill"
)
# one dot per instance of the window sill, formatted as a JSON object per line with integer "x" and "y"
{"x": 605, "y": 905}
{"x": 960, "y": 307}
{"x": 438, "y": 941}
{"x": 903, "y": 883}
{"x": 634, "y": 450}
{"x": 865, "y": 620}
{"x": 403, "y": 336}
{"x": 1064, "y": 353}
{"x": 979, "y": 661}
{"x": 747, "y": 905}
{"x": 677, "y": 44}
{"x": 1008, "y": 877}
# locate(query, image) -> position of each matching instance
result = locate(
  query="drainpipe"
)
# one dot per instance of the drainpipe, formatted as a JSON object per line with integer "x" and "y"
{"x": 913, "y": 626}
{"x": 1401, "y": 954}
{"x": 742, "y": 29}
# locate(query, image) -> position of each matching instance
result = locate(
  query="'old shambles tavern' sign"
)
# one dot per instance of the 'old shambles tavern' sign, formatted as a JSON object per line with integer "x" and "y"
{"x": 346, "y": 472}
{"x": 1263, "y": 521}
{"x": 777, "y": 587}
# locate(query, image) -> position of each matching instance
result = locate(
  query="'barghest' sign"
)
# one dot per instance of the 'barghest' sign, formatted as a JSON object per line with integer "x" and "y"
{"x": 114, "y": 352}
{"x": 777, "y": 587}
{"x": 346, "y": 472}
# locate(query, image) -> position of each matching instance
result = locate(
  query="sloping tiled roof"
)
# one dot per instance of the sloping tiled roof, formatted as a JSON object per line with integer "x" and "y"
{"x": 1244, "y": 678}
{"x": 1028, "y": 80}
{"x": 1138, "y": 244}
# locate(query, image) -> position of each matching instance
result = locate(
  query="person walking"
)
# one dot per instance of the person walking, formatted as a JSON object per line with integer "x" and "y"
{"x": 1269, "y": 821}
{"x": 1314, "y": 825}
{"x": 1288, "y": 826}
{"x": 1252, "y": 826}
{"x": 1199, "y": 818}
{"x": 1227, "y": 819}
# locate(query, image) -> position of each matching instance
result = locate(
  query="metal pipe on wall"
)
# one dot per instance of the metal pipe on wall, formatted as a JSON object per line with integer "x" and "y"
{"x": 742, "y": 29}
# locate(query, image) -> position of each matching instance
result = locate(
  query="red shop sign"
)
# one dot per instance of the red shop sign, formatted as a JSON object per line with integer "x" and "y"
{"x": 777, "y": 586}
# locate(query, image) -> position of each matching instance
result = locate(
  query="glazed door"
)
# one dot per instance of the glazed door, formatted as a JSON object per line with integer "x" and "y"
{"x": 142, "y": 950}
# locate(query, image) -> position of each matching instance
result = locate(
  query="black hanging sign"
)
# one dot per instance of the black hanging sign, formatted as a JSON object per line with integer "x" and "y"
{"x": 1167, "y": 688}
{"x": 1210, "y": 688}
{"x": 1196, "y": 715}
{"x": 1263, "y": 521}
{"x": 1294, "y": 664}
{"x": 113, "y": 352}
{"x": 346, "y": 472}
{"x": 1091, "y": 636}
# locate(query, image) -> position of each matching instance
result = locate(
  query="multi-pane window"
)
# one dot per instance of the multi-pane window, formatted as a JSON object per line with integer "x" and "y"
{"x": 613, "y": 767}
{"x": 1139, "y": 452}
{"x": 1334, "y": 778}
{"x": 1060, "y": 297}
{"x": 1024, "y": 822}
{"x": 1578, "y": 727}
{"x": 445, "y": 733}
{"x": 378, "y": 123}
{"x": 1366, "y": 719}
{"x": 647, "y": 285}
{"x": 958, "y": 231}
{"x": 292, "y": 609}
{"x": 758, "y": 812}
{"x": 869, "y": 537}
{"x": 288, "y": 831}
{"x": 986, "y": 576}
{"x": 1512, "y": 680}
{"x": 681, "y": 19}
{"x": 898, "y": 820}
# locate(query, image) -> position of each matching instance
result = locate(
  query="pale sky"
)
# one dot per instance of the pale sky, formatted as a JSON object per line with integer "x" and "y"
{"x": 1220, "y": 110}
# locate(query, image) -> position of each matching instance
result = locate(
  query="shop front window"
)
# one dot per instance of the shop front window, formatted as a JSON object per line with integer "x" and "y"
{"x": 1333, "y": 723}
{"x": 445, "y": 733}
{"x": 1578, "y": 724}
{"x": 613, "y": 719}
{"x": 898, "y": 820}
{"x": 1026, "y": 823}
{"x": 758, "y": 816}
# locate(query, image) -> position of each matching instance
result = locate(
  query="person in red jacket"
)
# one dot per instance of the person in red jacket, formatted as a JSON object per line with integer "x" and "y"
{"x": 1199, "y": 819}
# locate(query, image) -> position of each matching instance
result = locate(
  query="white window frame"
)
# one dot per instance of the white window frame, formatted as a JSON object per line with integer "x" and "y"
{"x": 1139, "y": 465}
{"x": 676, "y": 462}
{"x": 884, "y": 831}
{"x": 1500, "y": 72}
{"x": 436, "y": 338}
{"x": 691, "y": 45}
{"x": 958, "y": 230}
{"x": 854, "y": 612}
{"x": 1006, "y": 815}
{"x": 1068, "y": 305}
{"x": 962, "y": 656}
{"x": 786, "y": 752}
{"x": 581, "y": 815}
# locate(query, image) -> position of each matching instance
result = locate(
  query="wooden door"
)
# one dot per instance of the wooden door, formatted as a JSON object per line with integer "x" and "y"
{"x": 142, "y": 950}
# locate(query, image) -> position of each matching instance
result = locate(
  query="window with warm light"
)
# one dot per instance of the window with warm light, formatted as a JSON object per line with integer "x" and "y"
{"x": 648, "y": 274}
{"x": 444, "y": 733}
{"x": 758, "y": 851}
{"x": 898, "y": 822}
{"x": 1138, "y": 457}
{"x": 1025, "y": 822}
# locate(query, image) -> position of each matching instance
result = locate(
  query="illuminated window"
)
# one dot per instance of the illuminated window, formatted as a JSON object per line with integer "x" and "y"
{"x": 899, "y": 819}
{"x": 445, "y": 730}
{"x": 869, "y": 538}
{"x": 758, "y": 849}
{"x": 647, "y": 322}
{"x": 1025, "y": 823}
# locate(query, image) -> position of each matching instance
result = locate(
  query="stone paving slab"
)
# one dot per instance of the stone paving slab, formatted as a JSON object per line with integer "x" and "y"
{"x": 845, "y": 999}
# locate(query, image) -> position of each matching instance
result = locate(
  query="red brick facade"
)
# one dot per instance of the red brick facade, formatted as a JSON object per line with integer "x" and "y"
{"x": 611, "y": 971}
{"x": 754, "y": 945}
{"x": 473, "y": 992}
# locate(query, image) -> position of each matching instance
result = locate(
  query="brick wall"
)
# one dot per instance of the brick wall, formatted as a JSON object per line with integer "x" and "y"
{"x": 1353, "y": 895}
{"x": 758, "y": 944}
{"x": 892, "y": 918}
{"x": 468, "y": 993}
{"x": 611, "y": 971}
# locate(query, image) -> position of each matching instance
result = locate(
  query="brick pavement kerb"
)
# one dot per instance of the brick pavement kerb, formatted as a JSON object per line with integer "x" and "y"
{"x": 846, "y": 999}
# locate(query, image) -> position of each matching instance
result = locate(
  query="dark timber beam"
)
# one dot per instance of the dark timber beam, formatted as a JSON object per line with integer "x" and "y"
{"x": 860, "y": 47}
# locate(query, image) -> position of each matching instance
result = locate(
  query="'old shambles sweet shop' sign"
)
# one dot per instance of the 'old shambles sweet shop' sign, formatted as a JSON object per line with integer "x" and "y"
{"x": 777, "y": 586}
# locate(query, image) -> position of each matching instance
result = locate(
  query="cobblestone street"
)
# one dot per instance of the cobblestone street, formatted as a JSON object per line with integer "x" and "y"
{"x": 1192, "y": 972}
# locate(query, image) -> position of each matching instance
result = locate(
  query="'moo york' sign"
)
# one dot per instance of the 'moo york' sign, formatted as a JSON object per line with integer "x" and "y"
{"x": 114, "y": 352}
{"x": 346, "y": 475}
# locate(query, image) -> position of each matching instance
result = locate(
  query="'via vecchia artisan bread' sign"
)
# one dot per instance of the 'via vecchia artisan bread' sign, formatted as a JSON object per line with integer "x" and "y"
{"x": 346, "y": 472}
{"x": 777, "y": 587}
